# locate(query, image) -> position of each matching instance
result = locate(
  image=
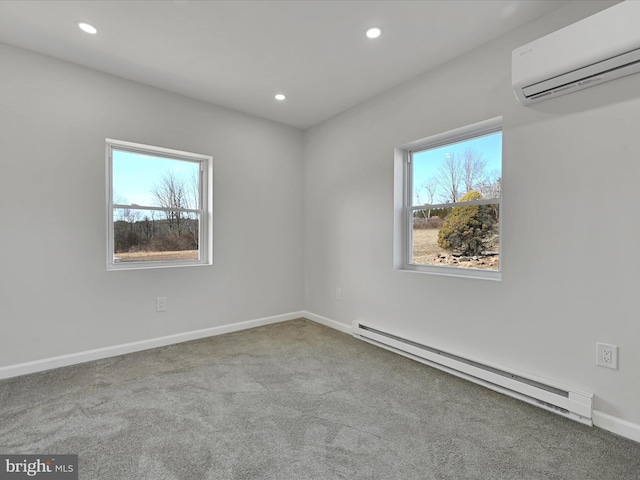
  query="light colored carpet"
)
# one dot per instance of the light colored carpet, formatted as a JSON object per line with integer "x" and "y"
{"x": 294, "y": 400}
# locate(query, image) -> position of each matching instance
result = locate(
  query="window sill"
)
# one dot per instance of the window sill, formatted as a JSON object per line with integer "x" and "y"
{"x": 114, "y": 267}
{"x": 475, "y": 273}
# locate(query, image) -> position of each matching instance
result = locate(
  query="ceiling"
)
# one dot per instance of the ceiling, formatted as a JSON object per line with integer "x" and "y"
{"x": 238, "y": 54}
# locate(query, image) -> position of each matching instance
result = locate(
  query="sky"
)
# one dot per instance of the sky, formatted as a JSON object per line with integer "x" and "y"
{"x": 135, "y": 174}
{"x": 427, "y": 163}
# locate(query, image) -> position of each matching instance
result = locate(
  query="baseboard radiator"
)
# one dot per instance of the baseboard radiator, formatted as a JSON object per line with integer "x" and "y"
{"x": 570, "y": 403}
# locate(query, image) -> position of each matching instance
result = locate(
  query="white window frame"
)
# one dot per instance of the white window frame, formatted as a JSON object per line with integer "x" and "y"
{"x": 205, "y": 233}
{"x": 403, "y": 199}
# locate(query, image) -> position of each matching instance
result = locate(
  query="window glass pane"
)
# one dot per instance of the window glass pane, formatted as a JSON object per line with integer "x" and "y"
{"x": 151, "y": 235}
{"x": 467, "y": 237}
{"x": 445, "y": 174}
{"x": 151, "y": 181}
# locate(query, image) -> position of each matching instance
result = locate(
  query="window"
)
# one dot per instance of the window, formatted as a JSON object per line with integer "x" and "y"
{"x": 159, "y": 204}
{"x": 452, "y": 200}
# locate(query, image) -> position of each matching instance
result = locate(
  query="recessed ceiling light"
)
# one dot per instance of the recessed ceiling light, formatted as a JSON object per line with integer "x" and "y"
{"x": 87, "y": 27}
{"x": 280, "y": 97}
{"x": 374, "y": 32}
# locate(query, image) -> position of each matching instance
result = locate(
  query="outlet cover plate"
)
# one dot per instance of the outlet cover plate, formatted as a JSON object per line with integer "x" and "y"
{"x": 161, "y": 304}
{"x": 607, "y": 355}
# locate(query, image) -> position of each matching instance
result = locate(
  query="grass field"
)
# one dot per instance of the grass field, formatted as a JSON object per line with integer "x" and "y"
{"x": 425, "y": 248}
{"x": 425, "y": 245}
{"x": 156, "y": 256}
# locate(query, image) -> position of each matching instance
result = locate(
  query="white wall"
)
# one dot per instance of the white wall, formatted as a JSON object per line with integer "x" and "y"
{"x": 56, "y": 296}
{"x": 570, "y": 227}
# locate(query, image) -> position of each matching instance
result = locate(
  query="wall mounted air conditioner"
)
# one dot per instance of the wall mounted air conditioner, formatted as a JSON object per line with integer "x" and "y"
{"x": 600, "y": 48}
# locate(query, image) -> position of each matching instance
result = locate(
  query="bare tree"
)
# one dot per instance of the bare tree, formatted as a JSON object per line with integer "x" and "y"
{"x": 170, "y": 193}
{"x": 127, "y": 215}
{"x": 473, "y": 167}
{"x": 491, "y": 186}
{"x": 461, "y": 173}
{"x": 175, "y": 192}
{"x": 430, "y": 186}
{"x": 192, "y": 189}
{"x": 449, "y": 176}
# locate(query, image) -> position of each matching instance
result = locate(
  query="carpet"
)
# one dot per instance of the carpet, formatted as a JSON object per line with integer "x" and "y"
{"x": 294, "y": 400}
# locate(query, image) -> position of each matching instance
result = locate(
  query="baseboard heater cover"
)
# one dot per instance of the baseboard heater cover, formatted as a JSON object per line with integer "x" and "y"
{"x": 569, "y": 402}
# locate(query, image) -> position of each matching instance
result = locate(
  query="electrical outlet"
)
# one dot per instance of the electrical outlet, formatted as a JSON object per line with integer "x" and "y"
{"x": 607, "y": 355}
{"x": 338, "y": 294}
{"x": 161, "y": 304}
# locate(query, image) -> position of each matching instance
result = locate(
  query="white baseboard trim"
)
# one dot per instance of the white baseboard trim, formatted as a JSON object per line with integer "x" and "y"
{"x": 602, "y": 420}
{"x": 16, "y": 370}
{"x": 616, "y": 425}
{"x": 327, "y": 322}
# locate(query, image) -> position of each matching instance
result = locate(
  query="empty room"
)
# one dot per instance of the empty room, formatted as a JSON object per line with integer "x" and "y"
{"x": 319, "y": 239}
